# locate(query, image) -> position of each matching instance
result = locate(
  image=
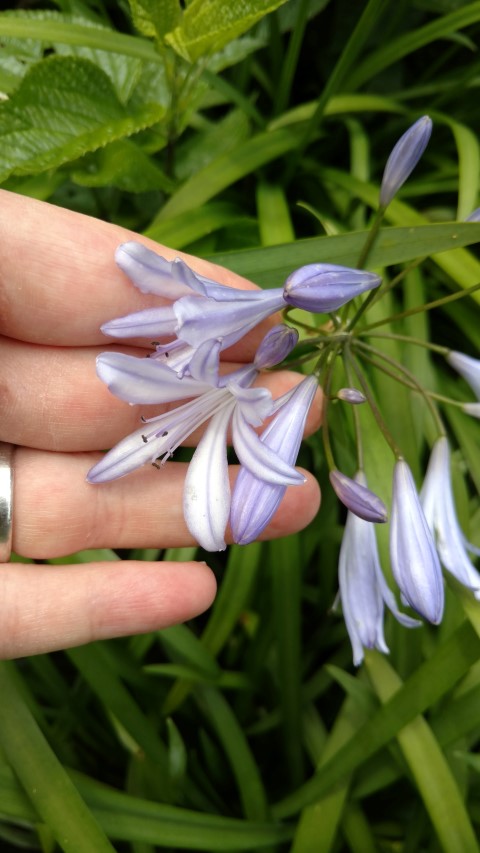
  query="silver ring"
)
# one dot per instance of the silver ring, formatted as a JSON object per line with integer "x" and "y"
{"x": 6, "y": 500}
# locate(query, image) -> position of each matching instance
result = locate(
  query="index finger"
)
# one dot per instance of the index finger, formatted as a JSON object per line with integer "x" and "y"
{"x": 58, "y": 278}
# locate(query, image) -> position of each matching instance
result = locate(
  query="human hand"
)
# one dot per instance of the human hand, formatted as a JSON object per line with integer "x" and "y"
{"x": 58, "y": 284}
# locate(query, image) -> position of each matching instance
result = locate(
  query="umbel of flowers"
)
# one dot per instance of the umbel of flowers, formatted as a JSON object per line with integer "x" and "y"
{"x": 197, "y": 320}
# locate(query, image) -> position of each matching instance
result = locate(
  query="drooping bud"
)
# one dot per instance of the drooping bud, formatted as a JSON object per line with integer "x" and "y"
{"x": 404, "y": 157}
{"x": 275, "y": 346}
{"x": 414, "y": 558}
{"x": 351, "y": 395}
{"x": 357, "y": 498}
{"x": 322, "y": 288}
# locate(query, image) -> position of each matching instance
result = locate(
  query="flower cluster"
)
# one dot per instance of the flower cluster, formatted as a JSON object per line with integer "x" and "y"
{"x": 199, "y": 318}
{"x": 202, "y": 319}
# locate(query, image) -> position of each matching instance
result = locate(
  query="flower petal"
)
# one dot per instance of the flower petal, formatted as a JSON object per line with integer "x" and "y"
{"x": 206, "y": 497}
{"x": 258, "y": 458}
{"x": 413, "y": 555}
{"x": 144, "y": 380}
{"x": 149, "y": 323}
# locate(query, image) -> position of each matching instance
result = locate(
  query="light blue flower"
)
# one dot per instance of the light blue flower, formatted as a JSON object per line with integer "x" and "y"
{"x": 205, "y": 316}
{"x": 256, "y": 500}
{"x": 363, "y": 589}
{"x": 232, "y": 402}
{"x": 438, "y": 505}
{"x": 414, "y": 558}
{"x": 404, "y": 157}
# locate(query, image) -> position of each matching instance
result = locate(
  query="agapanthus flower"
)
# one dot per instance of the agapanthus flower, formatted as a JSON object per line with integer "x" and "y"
{"x": 358, "y": 498}
{"x": 323, "y": 288}
{"x": 404, "y": 157}
{"x": 255, "y": 500}
{"x": 415, "y": 564}
{"x": 231, "y": 402}
{"x": 439, "y": 507}
{"x": 467, "y": 367}
{"x": 204, "y": 319}
{"x": 363, "y": 589}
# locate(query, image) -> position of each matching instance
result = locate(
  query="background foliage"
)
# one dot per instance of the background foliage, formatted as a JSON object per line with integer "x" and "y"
{"x": 255, "y": 133}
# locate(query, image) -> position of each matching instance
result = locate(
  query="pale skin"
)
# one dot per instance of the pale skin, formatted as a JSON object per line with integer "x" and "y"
{"x": 58, "y": 283}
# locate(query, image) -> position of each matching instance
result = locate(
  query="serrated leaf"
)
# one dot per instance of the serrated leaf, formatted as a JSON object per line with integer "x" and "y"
{"x": 63, "y": 108}
{"x": 208, "y": 25}
{"x": 155, "y": 18}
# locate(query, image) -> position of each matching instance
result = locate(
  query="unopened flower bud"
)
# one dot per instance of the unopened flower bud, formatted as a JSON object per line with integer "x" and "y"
{"x": 351, "y": 395}
{"x": 404, "y": 157}
{"x": 358, "y": 499}
{"x": 276, "y": 345}
{"x": 322, "y": 288}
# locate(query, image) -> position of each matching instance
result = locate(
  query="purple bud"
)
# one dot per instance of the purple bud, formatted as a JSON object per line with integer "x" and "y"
{"x": 357, "y": 498}
{"x": 322, "y": 288}
{"x": 351, "y": 395}
{"x": 404, "y": 157}
{"x": 414, "y": 558}
{"x": 472, "y": 409}
{"x": 276, "y": 345}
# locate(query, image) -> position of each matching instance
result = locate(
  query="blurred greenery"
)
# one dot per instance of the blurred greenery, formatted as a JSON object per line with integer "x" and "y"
{"x": 255, "y": 133}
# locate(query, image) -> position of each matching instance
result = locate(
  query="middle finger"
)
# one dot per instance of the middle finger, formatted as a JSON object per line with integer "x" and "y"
{"x": 51, "y": 398}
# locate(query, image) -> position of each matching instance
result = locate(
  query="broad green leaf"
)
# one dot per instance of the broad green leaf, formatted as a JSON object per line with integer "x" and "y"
{"x": 208, "y": 25}
{"x": 51, "y": 30}
{"x": 270, "y": 266}
{"x": 155, "y": 18}
{"x": 63, "y": 108}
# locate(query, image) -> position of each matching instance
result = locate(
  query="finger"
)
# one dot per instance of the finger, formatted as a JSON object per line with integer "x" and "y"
{"x": 51, "y": 399}
{"x": 44, "y": 608}
{"x": 56, "y": 512}
{"x": 58, "y": 278}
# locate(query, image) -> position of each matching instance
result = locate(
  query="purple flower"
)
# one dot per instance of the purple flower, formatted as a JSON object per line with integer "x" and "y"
{"x": 323, "y": 288}
{"x": 467, "y": 367}
{"x": 233, "y": 401}
{"x": 256, "y": 500}
{"x": 404, "y": 157}
{"x": 363, "y": 588}
{"x": 204, "y": 315}
{"x": 276, "y": 345}
{"x": 438, "y": 505}
{"x": 357, "y": 498}
{"x": 413, "y": 555}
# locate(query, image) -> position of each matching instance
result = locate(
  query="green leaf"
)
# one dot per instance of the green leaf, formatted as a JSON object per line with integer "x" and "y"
{"x": 436, "y": 784}
{"x": 429, "y": 682}
{"x": 124, "y": 165}
{"x": 155, "y": 18}
{"x": 63, "y": 108}
{"x": 55, "y": 798}
{"x": 208, "y": 25}
{"x": 269, "y": 266}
